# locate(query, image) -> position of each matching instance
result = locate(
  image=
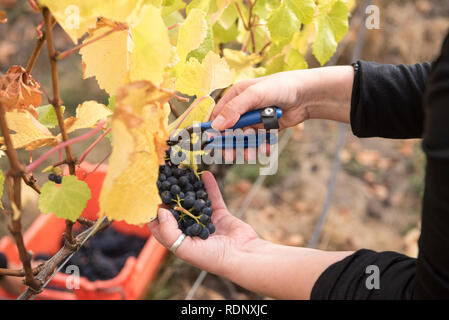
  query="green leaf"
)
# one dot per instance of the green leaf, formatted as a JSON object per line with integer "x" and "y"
{"x": 222, "y": 35}
{"x": 47, "y": 115}
{"x": 66, "y": 200}
{"x": 263, "y": 8}
{"x": 174, "y": 6}
{"x": 206, "y": 46}
{"x": 275, "y": 65}
{"x": 303, "y": 9}
{"x": 339, "y": 18}
{"x": 283, "y": 23}
{"x": 230, "y": 14}
{"x": 295, "y": 61}
{"x": 331, "y": 27}
{"x": 111, "y": 103}
{"x": 203, "y": 5}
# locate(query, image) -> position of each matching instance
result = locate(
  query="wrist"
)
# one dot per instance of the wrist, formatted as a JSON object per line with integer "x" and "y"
{"x": 326, "y": 93}
{"x": 239, "y": 258}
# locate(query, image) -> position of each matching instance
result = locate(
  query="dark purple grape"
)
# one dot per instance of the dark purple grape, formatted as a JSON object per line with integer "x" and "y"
{"x": 204, "y": 234}
{"x": 207, "y": 211}
{"x": 210, "y": 226}
{"x": 175, "y": 189}
{"x": 201, "y": 194}
{"x": 165, "y": 185}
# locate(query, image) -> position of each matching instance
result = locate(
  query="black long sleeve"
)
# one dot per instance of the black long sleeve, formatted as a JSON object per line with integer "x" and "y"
{"x": 398, "y": 102}
{"x": 387, "y": 100}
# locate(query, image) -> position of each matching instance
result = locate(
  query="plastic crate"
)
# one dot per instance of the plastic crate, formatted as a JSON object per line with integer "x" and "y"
{"x": 45, "y": 234}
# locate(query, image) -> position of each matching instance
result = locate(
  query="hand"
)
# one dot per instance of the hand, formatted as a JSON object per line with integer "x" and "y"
{"x": 323, "y": 93}
{"x": 216, "y": 254}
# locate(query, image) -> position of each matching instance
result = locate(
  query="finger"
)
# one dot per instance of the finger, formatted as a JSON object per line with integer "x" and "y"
{"x": 230, "y": 94}
{"x": 249, "y": 99}
{"x": 165, "y": 228}
{"x": 213, "y": 191}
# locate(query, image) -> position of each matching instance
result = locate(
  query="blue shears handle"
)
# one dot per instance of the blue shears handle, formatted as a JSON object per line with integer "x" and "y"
{"x": 248, "y": 119}
{"x": 240, "y": 141}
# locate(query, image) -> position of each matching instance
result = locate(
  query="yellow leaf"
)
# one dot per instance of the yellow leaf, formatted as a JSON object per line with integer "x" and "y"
{"x": 77, "y": 16}
{"x": 191, "y": 33}
{"x": 221, "y": 7}
{"x": 88, "y": 115}
{"x": 139, "y": 128}
{"x": 30, "y": 133}
{"x": 243, "y": 64}
{"x": 99, "y": 56}
{"x": 199, "y": 111}
{"x": 151, "y": 53}
{"x": 201, "y": 79}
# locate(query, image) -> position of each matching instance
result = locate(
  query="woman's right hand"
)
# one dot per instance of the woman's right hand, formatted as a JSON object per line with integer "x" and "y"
{"x": 301, "y": 94}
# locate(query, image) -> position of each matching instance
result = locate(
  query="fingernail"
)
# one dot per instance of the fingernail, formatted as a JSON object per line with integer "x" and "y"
{"x": 219, "y": 122}
{"x": 162, "y": 215}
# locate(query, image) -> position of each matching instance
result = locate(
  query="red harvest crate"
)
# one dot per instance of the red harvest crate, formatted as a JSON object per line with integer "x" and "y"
{"x": 45, "y": 234}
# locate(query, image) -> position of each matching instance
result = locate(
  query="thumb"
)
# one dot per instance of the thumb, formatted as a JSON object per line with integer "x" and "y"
{"x": 168, "y": 230}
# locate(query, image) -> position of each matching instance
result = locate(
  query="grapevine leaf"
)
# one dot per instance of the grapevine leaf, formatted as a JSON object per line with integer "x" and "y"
{"x": 19, "y": 90}
{"x": 331, "y": 26}
{"x": 303, "y": 9}
{"x": 206, "y": 46}
{"x": 30, "y": 133}
{"x": 263, "y": 8}
{"x": 202, "y": 5}
{"x": 199, "y": 110}
{"x": 76, "y": 17}
{"x": 191, "y": 33}
{"x": 139, "y": 128}
{"x": 228, "y": 17}
{"x": 222, "y": 35}
{"x": 301, "y": 40}
{"x": 149, "y": 57}
{"x": 218, "y": 7}
{"x": 111, "y": 103}
{"x": 99, "y": 56}
{"x": 243, "y": 64}
{"x": 173, "y": 19}
{"x": 88, "y": 114}
{"x": 283, "y": 23}
{"x": 295, "y": 61}
{"x": 47, "y": 115}
{"x": 66, "y": 200}
{"x": 275, "y": 65}
{"x": 173, "y": 7}
{"x": 200, "y": 79}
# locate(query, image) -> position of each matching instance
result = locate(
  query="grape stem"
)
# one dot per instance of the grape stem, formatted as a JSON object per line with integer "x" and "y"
{"x": 191, "y": 215}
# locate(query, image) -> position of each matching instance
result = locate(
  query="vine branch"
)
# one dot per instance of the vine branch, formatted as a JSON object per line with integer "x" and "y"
{"x": 14, "y": 193}
{"x": 51, "y": 264}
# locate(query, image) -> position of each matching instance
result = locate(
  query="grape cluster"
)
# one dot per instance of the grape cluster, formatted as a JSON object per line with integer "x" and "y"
{"x": 183, "y": 192}
{"x": 56, "y": 178}
{"x": 105, "y": 255}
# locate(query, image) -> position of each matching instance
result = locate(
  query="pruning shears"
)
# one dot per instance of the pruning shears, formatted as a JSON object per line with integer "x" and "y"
{"x": 267, "y": 116}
